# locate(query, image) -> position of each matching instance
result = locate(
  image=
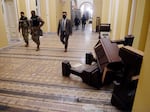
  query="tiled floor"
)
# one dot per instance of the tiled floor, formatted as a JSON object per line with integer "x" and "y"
{"x": 32, "y": 81}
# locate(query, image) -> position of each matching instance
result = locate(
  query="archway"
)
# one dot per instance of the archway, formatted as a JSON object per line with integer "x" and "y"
{"x": 82, "y": 7}
{"x": 86, "y": 9}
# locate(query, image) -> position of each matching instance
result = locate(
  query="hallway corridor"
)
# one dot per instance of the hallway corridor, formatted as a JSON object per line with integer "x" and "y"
{"x": 32, "y": 81}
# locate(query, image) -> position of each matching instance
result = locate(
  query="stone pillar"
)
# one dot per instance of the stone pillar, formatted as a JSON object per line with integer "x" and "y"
{"x": 4, "y": 41}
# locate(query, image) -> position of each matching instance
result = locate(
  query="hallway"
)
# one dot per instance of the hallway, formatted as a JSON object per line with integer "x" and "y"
{"x": 32, "y": 81}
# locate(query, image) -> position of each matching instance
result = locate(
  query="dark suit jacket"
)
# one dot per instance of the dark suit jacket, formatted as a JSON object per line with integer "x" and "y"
{"x": 68, "y": 27}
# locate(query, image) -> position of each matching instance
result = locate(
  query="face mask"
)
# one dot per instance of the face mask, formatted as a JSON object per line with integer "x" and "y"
{"x": 64, "y": 16}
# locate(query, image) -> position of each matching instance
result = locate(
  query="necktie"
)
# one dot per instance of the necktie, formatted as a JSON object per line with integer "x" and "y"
{"x": 63, "y": 25}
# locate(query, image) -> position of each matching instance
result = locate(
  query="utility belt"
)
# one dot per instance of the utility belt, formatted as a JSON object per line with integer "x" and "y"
{"x": 37, "y": 31}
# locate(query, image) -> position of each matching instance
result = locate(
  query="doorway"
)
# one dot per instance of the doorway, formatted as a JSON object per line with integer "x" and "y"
{"x": 11, "y": 19}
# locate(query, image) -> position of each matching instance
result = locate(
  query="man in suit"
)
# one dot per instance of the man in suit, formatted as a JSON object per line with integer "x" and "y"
{"x": 64, "y": 29}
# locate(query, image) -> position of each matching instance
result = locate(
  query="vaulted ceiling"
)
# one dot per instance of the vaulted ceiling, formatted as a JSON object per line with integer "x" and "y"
{"x": 79, "y": 3}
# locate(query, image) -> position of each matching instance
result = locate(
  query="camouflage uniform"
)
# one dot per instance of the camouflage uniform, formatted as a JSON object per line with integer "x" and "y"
{"x": 35, "y": 29}
{"x": 35, "y": 35}
{"x": 24, "y": 25}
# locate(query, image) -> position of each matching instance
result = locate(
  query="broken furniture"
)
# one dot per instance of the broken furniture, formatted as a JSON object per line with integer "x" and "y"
{"x": 125, "y": 89}
{"x": 100, "y": 72}
{"x": 120, "y": 66}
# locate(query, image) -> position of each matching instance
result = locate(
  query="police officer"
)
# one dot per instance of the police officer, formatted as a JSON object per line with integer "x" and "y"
{"x": 36, "y": 23}
{"x": 24, "y": 26}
